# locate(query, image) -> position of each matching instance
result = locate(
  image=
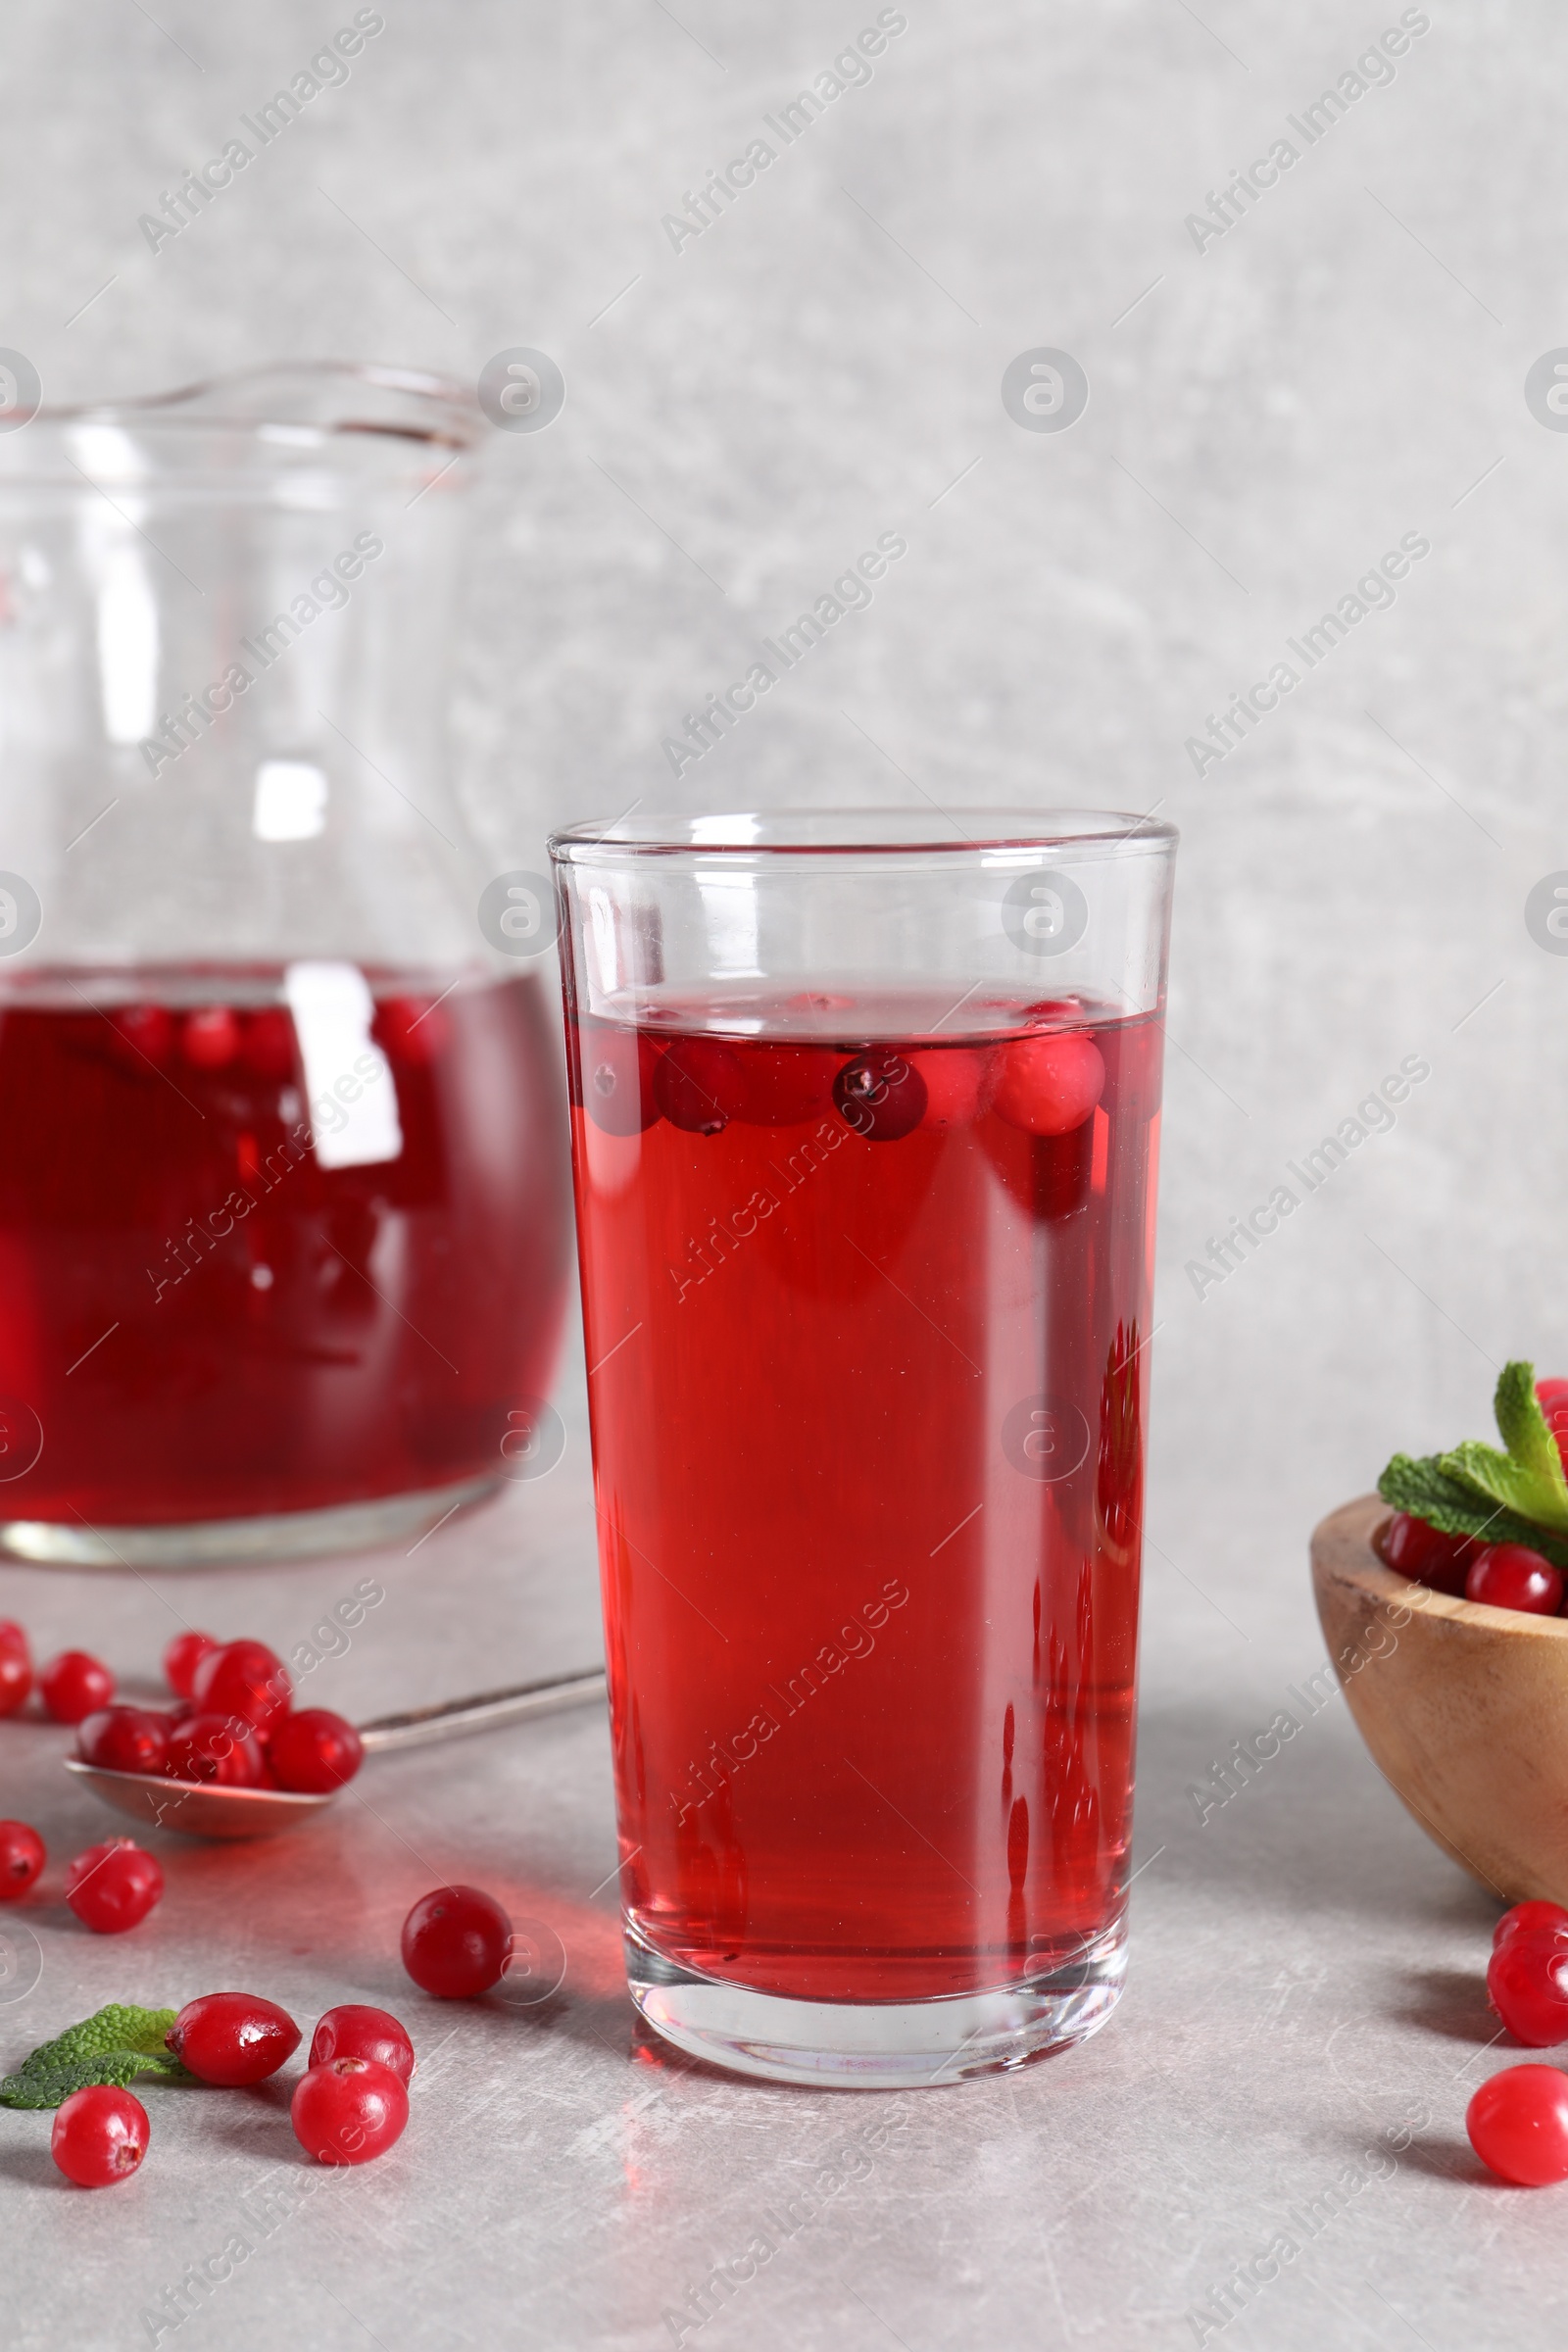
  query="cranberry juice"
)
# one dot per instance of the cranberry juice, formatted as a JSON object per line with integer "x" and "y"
{"x": 271, "y": 1241}
{"x": 867, "y": 1307}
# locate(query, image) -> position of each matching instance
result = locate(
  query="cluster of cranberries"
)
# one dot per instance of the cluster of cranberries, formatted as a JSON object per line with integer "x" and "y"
{"x": 1505, "y": 1575}
{"x": 233, "y": 1721}
{"x": 260, "y": 1042}
{"x": 352, "y": 2102}
{"x": 109, "y": 1887}
{"x": 349, "y": 2105}
{"x": 1046, "y": 1083}
{"x": 1518, "y": 2120}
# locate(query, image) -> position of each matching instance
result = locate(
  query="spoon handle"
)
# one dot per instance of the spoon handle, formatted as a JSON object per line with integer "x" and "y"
{"x": 455, "y": 1716}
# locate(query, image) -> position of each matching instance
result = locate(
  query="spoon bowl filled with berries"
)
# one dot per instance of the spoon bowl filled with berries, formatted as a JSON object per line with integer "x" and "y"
{"x": 1442, "y": 1598}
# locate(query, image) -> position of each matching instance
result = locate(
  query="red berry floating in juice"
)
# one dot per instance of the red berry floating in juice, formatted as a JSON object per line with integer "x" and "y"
{"x": 881, "y": 1095}
{"x": 1049, "y": 1084}
{"x": 699, "y": 1086}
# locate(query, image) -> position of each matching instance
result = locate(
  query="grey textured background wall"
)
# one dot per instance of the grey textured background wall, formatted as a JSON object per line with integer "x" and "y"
{"x": 1344, "y": 365}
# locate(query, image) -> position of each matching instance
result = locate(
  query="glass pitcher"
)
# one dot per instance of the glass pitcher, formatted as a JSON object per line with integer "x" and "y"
{"x": 283, "y": 1211}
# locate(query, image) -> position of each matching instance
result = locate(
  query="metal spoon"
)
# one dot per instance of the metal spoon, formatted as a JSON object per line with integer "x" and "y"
{"x": 201, "y": 1810}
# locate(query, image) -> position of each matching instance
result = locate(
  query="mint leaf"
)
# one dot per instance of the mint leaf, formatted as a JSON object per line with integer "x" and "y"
{"x": 116, "y": 2046}
{"x": 1424, "y": 1488}
{"x": 1498, "y": 1476}
{"x": 1524, "y": 1427}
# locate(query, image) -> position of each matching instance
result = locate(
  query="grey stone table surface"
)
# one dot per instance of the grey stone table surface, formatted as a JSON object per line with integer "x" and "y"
{"x": 1303, "y": 2023}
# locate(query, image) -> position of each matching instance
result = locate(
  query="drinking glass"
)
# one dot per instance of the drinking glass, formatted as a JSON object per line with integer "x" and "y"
{"x": 283, "y": 1190}
{"x": 864, "y": 1125}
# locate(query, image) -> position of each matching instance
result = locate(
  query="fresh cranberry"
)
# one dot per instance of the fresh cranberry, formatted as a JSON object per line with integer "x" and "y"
{"x": 1527, "y": 1982}
{"x": 22, "y": 1857}
{"x": 1553, "y": 1396}
{"x": 455, "y": 1942}
{"x": 1530, "y": 1919}
{"x": 355, "y": 2032}
{"x": 787, "y": 1085}
{"x": 314, "y": 1751}
{"x": 146, "y": 1030}
{"x": 1049, "y": 1084}
{"x": 348, "y": 2111}
{"x": 15, "y": 1667}
{"x": 182, "y": 1657}
{"x": 1423, "y": 1553}
{"x": 243, "y": 1678}
{"x": 881, "y": 1096}
{"x": 112, "y": 1886}
{"x": 74, "y": 1685}
{"x": 267, "y": 1046}
{"x": 619, "y": 1068}
{"x": 220, "y": 1749}
{"x": 232, "y": 2037}
{"x": 210, "y": 1038}
{"x": 699, "y": 1086}
{"x": 1510, "y": 1576}
{"x": 1518, "y": 2125}
{"x": 100, "y": 2135}
{"x": 123, "y": 1740}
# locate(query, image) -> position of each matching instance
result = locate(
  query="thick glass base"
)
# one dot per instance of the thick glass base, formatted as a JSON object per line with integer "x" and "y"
{"x": 238, "y": 1542}
{"x": 878, "y": 2045}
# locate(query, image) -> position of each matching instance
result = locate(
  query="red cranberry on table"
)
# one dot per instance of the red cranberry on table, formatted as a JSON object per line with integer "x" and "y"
{"x": 1413, "y": 1548}
{"x": 243, "y": 1678}
{"x": 1528, "y": 1984}
{"x": 15, "y": 1667}
{"x": 100, "y": 2135}
{"x": 22, "y": 1857}
{"x": 348, "y": 2111}
{"x": 1529, "y": 1918}
{"x": 356, "y": 2032}
{"x": 232, "y": 2037}
{"x": 124, "y": 1739}
{"x": 455, "y": 1942}
{"x": 112, "y": 1886}
{"x": 74, "y": 1685}
{"x": 314, "y": 1752}
{"x": 182, "y": 1657}
{"x": 1510, "y": 1576}
{"x": 1518, "y": 2125}
{"x": 216, "y": 1750}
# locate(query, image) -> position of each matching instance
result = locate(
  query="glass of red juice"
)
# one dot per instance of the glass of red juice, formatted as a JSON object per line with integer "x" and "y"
{"x": 865, "y": 1124}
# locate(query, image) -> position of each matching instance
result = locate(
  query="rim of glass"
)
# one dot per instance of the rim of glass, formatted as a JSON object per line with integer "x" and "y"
{"x": 860, "y": 833}
{"x": 305, "y": 402}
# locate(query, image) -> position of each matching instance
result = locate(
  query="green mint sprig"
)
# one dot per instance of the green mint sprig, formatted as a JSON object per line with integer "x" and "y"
{"x": 115, "y": 2046}
{"x": 1517, "y": 1496}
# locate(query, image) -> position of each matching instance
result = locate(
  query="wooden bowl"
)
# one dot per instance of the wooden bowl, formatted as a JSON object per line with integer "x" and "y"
{"x": 1464, "y": 1708}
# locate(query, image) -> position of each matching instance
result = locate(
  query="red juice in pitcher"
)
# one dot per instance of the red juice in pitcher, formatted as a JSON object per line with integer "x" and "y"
{"x": 866, "y": 1291}
{"x": 271, "y": 1241}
